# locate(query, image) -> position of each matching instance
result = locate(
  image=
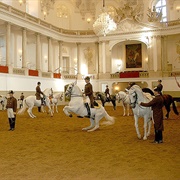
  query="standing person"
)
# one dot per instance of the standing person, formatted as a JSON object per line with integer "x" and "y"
{"x": 21, "y": 100}
{"x": 160, "y": 86}
{"x": 177, "y": 81}
{"x": 88, "y": 91}
{"x": 38, "y": 95}
{"x": 157, "y": 104}
{"x": 11, "y": 110}
{"x": 108, "y": 97}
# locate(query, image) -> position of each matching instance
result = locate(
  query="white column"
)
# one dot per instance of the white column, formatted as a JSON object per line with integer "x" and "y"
{"x": 107, "y": 58}
{"x": 38, "y": 52}
{"x": 97, "y": 58}
{"x": 150, "y": 54}
{"x": 78, "y": 58}
{"x": 8, "y": 34}
{"x": 60, "y": 55}
{"x": 50, "y": 61}
{"x": 100, "y": 59}
{"x": 155, "y": 64}
{"x": 103, "y": 57}
{"x": 164, "y": 54}
{"x": 24, "y": 44}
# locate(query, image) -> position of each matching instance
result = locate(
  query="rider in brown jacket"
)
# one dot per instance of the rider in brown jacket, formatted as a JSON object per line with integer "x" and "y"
{"x": 88, "y": 91}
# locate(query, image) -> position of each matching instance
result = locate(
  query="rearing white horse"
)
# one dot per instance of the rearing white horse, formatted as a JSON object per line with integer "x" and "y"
{"x": 77, "y": 106}
{"x": 30, "y": 101}
{"x": 136, "y": 95}
{"x": 122, "y": 96}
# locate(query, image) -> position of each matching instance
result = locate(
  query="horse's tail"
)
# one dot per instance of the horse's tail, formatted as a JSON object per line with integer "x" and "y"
{"x": 110, "y": 119}
{"x": 174, "y": 108}
{"x": 23, "y": 108}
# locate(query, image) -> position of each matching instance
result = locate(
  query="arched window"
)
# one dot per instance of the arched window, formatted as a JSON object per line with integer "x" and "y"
{"x": 161, "y": 6}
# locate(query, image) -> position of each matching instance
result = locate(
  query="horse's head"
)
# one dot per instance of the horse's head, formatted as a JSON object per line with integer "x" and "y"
{"x": 133, "y": 97}
{"x": 120, "y": 96}
{"x": 69, "y": 89}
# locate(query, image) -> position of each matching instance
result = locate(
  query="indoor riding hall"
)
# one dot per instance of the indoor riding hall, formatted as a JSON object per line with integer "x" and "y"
{"x": 116, "y": 43}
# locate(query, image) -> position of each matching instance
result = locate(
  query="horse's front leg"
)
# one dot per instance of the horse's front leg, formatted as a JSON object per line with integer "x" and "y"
{"x": 56, "y": 107}
{"x": 127, "y": 106}
{"x": 68, "y": 109}
{"x": 124, "y": 109}
{"x": 149, "y": 128}
{"x": 145, "y": 128}
{"x": 50, "y": 110}
{"x": 137, "y": 126}
{"x": 91, "y": 125}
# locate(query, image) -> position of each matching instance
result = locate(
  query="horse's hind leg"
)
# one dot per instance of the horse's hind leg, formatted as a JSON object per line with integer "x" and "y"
{"x": 91, "y": 126}
{"x": 96, "y": 125}
{"x": 168, "y": 111}
{"x": 30, "y": 113}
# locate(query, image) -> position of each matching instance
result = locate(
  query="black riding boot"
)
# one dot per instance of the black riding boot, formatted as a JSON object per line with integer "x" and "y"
{"x": 88, "y": 110}
{"x": 13, "y": 123}
{"x": 39, "y": 109}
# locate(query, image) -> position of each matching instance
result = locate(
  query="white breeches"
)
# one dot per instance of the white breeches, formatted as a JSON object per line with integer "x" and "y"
{"x": 10, "y": 113}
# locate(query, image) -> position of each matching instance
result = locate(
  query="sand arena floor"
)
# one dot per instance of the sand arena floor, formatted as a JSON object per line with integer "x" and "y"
{"x": 55, "y": 148}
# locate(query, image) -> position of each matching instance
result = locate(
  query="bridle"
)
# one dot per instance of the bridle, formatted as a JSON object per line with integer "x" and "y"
{"x": 133, "y": 104}
{"x": 69, "y": 92}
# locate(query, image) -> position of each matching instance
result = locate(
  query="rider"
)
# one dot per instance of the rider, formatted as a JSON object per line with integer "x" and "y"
{"x": 88, "y": 91}
{"x": 38, "y": 93}
{"x": 21, "y": 100}
{"x": 160, "y": 86}
{"x": 108, "y": 97}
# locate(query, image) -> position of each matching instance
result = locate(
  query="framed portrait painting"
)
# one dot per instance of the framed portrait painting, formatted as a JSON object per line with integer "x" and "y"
{"x": 133, "y": 56}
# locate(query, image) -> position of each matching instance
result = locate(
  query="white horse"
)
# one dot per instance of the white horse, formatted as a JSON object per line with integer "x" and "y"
{"x": 30, "y": 101}
{"x": 136, "y": 96}
{"x": 77, "y": 106}
{"x": 122, "y": 96}
{"x": 3, "y": 99}
{"x": 54, "y": 100}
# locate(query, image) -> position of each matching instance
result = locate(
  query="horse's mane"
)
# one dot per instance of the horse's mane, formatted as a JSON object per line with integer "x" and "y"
{"x": 147, "y": 90}
{"x": 77, "y": 87}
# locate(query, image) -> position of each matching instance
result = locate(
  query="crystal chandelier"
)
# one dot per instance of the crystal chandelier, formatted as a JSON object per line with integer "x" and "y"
{"x": 46, "y": 5}
{"x": 104, "y": 24}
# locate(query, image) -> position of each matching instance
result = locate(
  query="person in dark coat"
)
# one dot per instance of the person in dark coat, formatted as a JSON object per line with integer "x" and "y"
{"x": 88, "y": 91}
{"x": 157, "y": 104}
{"x": 160, "y": 86}
{"x": 21, "y": 100}
{"x": 108, "y": 97}
{"x": 11, "y": 110}
{"x": 38, "y": 95}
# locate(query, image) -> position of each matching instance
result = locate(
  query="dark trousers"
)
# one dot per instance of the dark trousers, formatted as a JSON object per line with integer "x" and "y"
{"x": 12, "y": 122}
{"x": 158, "y": 135}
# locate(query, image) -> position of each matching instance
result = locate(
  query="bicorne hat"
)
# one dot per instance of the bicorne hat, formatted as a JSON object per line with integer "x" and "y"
{"x": 87, "y": 78}
{"x": 11, "y": 92}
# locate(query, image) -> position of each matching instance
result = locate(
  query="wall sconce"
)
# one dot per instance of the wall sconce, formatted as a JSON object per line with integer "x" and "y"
{"x": 22, "y": 1}
{"x": 178, "y": 8}
{"x": 88, "y": 20}
{"x": 45, "y": 58}
{"x": 20, "y": 54}
{"x": 119, "y": 64}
